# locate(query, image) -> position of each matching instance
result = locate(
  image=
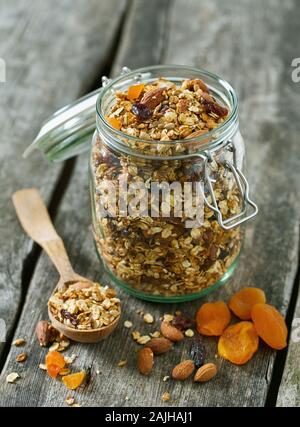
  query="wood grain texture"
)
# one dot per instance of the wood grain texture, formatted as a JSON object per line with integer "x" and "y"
{"x": 289, "y": 390}
{"x": 144, "y": 35}
{"x": 53, "y": 52}
{"x": 250, "y": 44}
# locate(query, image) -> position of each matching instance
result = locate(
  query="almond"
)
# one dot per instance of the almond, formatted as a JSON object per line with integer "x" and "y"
{"x": 145, "y": 360}
{"x": 45, "y": 333}
{"x": 205, "y": 373}
{"x": 153, "y": 97}
{"x": 199, "y": 132}
{"x": 171, "y": 332}
{"x": 21, "y": 357}
{"x": 211, "y": 106}
{"x": 192, "y": 84}
{"x": 159, "y": 345}
{"x": 183, "y": 370}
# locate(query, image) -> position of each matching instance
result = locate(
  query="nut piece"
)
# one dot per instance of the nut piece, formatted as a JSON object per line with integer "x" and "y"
{"x": 45, "y": 333}
{"x": 12, "y": 378}
{"x": 148, "y": 318}
{"x": 165, "y": 397}
{"x": 143, "y": 339}
{"x": 145, "y": 360}
{"x": 153, "y": 97}
{"x": 171, "y": 332}
{"x": 205, "y": 373}
{"x": 70, "y": 400}
{"x": 211, "y": 106}
{"x": 189, "y": 333}
{"x": 127, "y": 324}
{"x": 21, "y": 357}
{"x": 64, "y": 372}
{"x": 182, "y": 105}
{"x": 19, "y": 342}
{"x": 159, "y": 345}
{"x": 183, "y": 370}
{"x": 198, "y": 83}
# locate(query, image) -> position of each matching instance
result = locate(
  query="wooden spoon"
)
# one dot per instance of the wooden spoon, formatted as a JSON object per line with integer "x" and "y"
{"x": 36, "y": 222}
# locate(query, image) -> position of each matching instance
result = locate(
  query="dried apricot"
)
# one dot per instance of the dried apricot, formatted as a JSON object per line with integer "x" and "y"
{"x": 238, "y": 343}
{"x": 135, "y": 91}
{"x": 270, "y": 325}
{"x": 55, "y": 362}
{"x": 115, "y": 123}
{"x": 53, "y": 370}
{"x": 241, "y": 303}
{"x": 73, "y": 381}
{"x": 212, "y": 318}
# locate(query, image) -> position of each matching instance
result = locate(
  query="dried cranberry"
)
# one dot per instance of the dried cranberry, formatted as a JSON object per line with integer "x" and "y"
{"x": 197, "y": 352}
{"x": 182, "y": 322}
{"x": 141, "y": 111}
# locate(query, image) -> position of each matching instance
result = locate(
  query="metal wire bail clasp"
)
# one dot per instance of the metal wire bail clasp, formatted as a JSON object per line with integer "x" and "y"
{"x": 243, "y": 186}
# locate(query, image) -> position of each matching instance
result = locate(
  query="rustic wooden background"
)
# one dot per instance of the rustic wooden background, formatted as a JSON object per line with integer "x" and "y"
{"x": 57, "y": 50}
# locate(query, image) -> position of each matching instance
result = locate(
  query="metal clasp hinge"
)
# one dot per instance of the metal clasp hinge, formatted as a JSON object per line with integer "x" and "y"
{"x": 243, "y": 186}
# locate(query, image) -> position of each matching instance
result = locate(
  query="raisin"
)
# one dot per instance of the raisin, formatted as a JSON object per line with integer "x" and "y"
{"x": 164, "y": 109}
{"x": 182, "y": 322}
{"x": 270, "y": 325}
{"x": 242, "y": 302}
{"x": 238, "y": 343}
{"x": 72, "y": 317}
{"x": 197, "y": 352}
{"x": 141, "y": 111}
{"x": 212, "y": 318}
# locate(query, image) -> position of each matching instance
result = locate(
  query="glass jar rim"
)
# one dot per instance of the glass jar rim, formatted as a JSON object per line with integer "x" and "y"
{"x": 216, "y": 134}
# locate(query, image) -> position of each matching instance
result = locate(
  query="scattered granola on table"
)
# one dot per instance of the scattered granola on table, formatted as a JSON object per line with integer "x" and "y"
{"x": 85, "y": 309}
{"x": 21, "y": 357}
{"x": 12, "y": 378}
{"x": 165, "y": 397}
{"x": 158, "y": 255}
{"x": 19, "y": 342}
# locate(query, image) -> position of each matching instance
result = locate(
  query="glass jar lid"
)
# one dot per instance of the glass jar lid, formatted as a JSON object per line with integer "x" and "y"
{"x": 68, "y": 131}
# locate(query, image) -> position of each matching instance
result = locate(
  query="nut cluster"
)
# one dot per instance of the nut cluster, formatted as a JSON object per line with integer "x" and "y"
{"x": 172, "y": 335}
{"x": 86, "y": 308}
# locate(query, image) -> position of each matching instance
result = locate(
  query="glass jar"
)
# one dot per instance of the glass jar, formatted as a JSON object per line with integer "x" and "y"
{"x": 167, "y": 215}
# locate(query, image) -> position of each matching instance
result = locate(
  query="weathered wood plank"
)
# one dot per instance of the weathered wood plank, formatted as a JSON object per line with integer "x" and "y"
{"x": 53, "y": 52}
{"x": 144, "y": 36}
{"x": 207, "y": 35}
{"x": 289, "y": 390}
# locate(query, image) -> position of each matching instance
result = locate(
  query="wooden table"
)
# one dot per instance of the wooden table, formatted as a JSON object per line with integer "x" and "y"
{"x": 57, "y": 50}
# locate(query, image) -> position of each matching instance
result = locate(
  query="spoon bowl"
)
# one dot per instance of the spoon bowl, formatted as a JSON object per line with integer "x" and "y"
{"x": 36, "y": 222}
{"x": 83, "y": 336}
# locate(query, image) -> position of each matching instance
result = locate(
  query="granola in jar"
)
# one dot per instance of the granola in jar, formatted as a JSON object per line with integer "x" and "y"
{"x": 154, "y": 132}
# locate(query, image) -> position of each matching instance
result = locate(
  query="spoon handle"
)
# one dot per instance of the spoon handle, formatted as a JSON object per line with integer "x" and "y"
{"x": 34, "y": 218}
